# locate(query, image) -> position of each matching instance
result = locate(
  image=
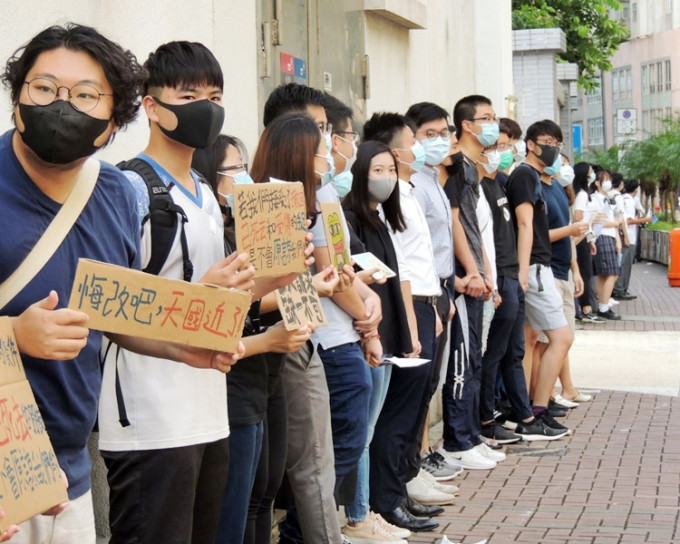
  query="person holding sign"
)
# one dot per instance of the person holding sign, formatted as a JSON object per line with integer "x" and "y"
{"x": 257, "y": 405}
{"x": 164, "y": 427}
{"x": 71, "y": 90}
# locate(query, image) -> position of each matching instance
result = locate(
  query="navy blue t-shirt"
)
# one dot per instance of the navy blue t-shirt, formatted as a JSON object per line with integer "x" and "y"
{"x": 558, "y": 216}
{"x": 107, "y": 230}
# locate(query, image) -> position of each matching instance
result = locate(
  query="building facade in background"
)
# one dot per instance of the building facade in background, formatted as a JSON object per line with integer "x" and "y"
{"x": 643, "y": 87}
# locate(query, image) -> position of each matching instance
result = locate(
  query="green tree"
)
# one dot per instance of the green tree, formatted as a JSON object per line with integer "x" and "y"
{"x": 592, "y": 37}
{"x": 609, "y": 159}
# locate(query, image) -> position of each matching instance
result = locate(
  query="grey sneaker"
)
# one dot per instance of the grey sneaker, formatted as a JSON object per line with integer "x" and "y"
{"x": 496, "y": 431}
{"x": 440, "y": 468}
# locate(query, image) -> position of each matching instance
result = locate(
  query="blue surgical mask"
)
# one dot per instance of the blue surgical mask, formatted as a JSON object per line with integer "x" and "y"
{"x": 240, "y": 178}
{"x": 506, "y": 160}
{"x": 554, "y": 168}
{"x": 327, "y": 177}
{"x": 343, "y": 183}
{"x": 329, "y": 141}
{"x": 436, "y": 149}
{"x": 489, "y": 135}
{"x": 418, "y": 156}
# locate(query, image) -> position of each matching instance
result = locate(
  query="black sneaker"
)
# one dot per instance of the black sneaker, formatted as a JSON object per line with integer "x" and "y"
{"x": 592, "y": 318}
{"x": 549, "y": 420}
{"x": 496, "y": 431}
{"x": 538, "y": 429}
{"x": 556, "y": 410}
{"x": 609, "y": 314}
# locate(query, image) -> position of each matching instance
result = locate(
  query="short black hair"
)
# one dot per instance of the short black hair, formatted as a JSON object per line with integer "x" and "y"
{"x": 337, "y": 112}
{"x": 544, "y": 128}
{"x": 512, "y": 128}
{"x": 631, "y": 184}
{"x": 617, "y": 180}
{"x": 357, "y": 199}
{"x": 120, "y": 66}
{"x": 465, "y": 109}
{"x": 424, "y": 112}
{"x": 182, "y": 63}
{"x": 385, "y": 127}
{"x": 291, "y": 97}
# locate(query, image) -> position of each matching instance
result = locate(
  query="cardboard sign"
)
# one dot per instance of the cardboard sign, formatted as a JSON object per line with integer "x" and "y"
{"x": 30, "y": 481}
{"x": 338, "y": 243}
{"x": 299, "y": 303}
{"x": 368, "y": 260}
{"x": 125, "y": 301}
{"x": 271, "y": 225}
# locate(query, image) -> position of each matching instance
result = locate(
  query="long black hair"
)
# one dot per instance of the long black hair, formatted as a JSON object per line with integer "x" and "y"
{"x": 580, "y": 183}
{"x": 357, "y": 199}
{"x": 207, "y": 160}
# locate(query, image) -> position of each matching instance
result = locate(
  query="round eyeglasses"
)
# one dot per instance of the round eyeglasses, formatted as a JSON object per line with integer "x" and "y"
{"x": 82, "y": 97}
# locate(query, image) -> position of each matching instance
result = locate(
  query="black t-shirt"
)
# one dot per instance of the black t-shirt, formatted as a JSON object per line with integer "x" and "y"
{"x": 247, "y": 382}
{"x": 524, "y": 185}
{"x": 393, "y": 329}
{"x": 462, "y": 190}
{"x": 503, "y": 229}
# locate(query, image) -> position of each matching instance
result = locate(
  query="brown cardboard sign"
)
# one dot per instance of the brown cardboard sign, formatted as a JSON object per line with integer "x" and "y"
{"x": 271, "y": 225}
{"x": 30, "y": 481}
{"x": 124, "y": 301}
{"x": 299, "y": 303}
{"x": 338, "y": 243}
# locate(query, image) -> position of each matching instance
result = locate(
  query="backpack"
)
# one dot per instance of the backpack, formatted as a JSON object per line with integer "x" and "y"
{"x": 164, "y": 216}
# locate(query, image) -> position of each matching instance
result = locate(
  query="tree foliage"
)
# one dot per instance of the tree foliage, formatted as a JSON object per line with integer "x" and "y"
{"x": 592, "y": 37}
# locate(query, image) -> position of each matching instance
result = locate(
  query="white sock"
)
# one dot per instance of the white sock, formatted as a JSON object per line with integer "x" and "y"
{"x": 603, "y": 307}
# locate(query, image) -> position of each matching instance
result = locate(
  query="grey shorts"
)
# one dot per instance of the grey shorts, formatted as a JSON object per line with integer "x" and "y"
{"x": 566, "y": 289}
{"x": 543, "y": 302}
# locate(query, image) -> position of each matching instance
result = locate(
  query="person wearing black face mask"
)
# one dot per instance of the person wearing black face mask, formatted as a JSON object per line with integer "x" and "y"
{"x": 543, "y": 303}
{"x": 172, "y": 425}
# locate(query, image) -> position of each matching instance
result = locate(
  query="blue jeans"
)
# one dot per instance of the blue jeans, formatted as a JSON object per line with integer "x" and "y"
{"x": 504, "y": 352}
{"x": 349, "y": 386}
{"x": 358, "y": 510}
{"x": 245, "y": 443}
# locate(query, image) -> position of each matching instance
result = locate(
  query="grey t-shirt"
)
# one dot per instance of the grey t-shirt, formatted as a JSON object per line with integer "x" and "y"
{"x": 462, "y": 188}
{"x": 340, "y": 329}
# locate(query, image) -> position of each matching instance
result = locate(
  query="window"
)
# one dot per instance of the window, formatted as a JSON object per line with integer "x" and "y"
{"x": 652, "y": 87}
{"x": 629, "y": 82}
{"x": 595, "y": 131}
{"x": 645, "y": 121}
{"x": 644, "y": 80}
{"x": 659, "y": 77}
{"x": 634, "y": 12}
{"x": 669, "y": 6}
{"x": 669, "y": 113}
{"x": 668, "y": 75}
{"x": 594, "y": 95}
{"x": 615, "y": 85}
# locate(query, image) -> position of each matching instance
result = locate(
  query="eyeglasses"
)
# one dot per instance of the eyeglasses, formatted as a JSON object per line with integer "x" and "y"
{"x": 82, "y": 97}
{"x": 325, "y": 127}
{"x": 552, "y": 143}
{"x": 485, "y": 119}
{"x": 504, "y": 147}
{"x": 432, "y": 134}
{"x": 354, "y": 135}
{"x": 227, "y": 170}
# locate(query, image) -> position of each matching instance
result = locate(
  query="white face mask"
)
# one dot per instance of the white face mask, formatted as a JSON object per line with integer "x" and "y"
{"x": 349, "y": 161}
{"x": 607, "y": 186}
{"x": 520, "y": 150}
{"x": 493, "y": 159}
{"x": 566, "y": 176}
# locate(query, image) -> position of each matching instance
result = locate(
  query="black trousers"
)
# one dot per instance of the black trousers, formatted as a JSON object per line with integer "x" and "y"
{"x": 171, "y": 495}
{"x": 397, "y": 433}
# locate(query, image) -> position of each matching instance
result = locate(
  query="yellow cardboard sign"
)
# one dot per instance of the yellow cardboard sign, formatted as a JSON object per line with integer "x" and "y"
{"x": 271, "y": 225}
{"x": 125, "y": 301}
{"x": 338, "y": 243}
{"x": 299, "y": 303}
{"x": 30, "y": 481}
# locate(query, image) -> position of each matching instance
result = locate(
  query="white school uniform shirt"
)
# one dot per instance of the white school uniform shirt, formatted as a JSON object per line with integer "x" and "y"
{"x": 169, "y": 404}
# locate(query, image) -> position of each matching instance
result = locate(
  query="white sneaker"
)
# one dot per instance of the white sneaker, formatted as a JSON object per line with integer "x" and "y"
{"x": 564, "y": 403}
{"x": 424, "y": 493}
{"x": 487, "y": 452}
{"x": 613, "y": 302}
{"x": 395, "y": 531}
{"x": 444, "y": 488}
{"x": 510, "y": 425}
{"x": 470, "y": 459}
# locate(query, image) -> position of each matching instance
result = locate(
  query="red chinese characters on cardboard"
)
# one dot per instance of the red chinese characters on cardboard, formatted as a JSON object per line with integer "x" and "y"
{"x": 124, "y": 301}
{"x": 30, "y": 480}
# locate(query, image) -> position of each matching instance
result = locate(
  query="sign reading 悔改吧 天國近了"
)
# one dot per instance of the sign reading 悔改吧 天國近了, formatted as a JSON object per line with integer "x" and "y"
{"x": 30, "y": 479}
{"x": 271, "y": 226}
{"x": 124, "y": 301}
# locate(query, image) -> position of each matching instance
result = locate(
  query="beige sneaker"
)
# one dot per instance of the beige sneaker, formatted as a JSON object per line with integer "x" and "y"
{"x": 424, "y": 493}
{"x": 370, "y": 531}
{"x": 444, "y": 488}
{"x": 399, "y": 532}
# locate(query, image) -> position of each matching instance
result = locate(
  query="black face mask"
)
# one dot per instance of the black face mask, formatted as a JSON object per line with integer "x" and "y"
{"x": 198, "y": 123}
{"x": 548, "y": 153}
{"x": 58, "y": 133}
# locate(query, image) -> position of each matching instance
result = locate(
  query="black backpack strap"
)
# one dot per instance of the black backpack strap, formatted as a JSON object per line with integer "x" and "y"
{"x": 164, "y": 216}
